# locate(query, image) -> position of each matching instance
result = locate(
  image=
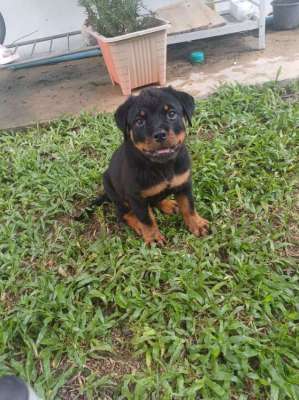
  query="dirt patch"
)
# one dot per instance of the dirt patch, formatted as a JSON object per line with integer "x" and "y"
{"x": 45, "y": 93}
{"x": 207, "y": 136}
{"x": 293, "y": 249}
{"x": 8, "y": 301}
{"x": 233, "y": 58}
{"x": 113, "y": 367}
{"x": 290, "y": 96}
{"x": 92, "y": 229}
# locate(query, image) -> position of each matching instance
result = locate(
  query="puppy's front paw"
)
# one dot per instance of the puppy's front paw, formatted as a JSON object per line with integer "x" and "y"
{"x": 150, "y": 233}
{"x": 153, "y": 235}
{"x": 197, "y": 225}
{"x": 168, "y": 206}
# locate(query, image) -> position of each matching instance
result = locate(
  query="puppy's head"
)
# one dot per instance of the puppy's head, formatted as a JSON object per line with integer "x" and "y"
{"x": 154, "y": 122}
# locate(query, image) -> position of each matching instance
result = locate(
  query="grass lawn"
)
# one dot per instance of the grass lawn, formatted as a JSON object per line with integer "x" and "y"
{"x": 89, "y": 312}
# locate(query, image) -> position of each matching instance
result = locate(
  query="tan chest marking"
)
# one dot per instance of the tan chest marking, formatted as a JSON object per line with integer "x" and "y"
{"x": 176, "y": 181}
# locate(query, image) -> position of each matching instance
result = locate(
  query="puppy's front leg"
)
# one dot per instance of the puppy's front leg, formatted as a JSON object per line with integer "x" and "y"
{"x": 195, "y": 223}
{"x": 141, "y": 218}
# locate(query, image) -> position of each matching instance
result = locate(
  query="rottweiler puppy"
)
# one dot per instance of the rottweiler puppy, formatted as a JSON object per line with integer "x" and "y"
{"x": 153, "y": 163}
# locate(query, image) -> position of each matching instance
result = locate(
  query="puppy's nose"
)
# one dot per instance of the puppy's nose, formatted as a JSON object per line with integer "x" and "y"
{"x": 160, "y": 136}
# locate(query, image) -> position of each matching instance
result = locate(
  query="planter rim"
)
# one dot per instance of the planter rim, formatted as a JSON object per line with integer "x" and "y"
{"x": 131, "y": 35}
{"x": 282, "y": 4}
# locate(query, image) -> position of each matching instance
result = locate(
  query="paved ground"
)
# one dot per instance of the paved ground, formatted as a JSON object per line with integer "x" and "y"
{"x": 44, "y": 93}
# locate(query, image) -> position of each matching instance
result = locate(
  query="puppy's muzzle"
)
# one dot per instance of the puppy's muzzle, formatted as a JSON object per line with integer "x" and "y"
{"x": 160, "y": 136}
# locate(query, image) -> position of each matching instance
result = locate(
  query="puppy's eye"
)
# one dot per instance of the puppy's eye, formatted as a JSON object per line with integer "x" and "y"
{"x": 171, "y": 115}
{"x": 140, "y": 122}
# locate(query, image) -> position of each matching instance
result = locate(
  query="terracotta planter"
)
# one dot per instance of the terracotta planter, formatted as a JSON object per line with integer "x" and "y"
{"x": 135, "y": 59}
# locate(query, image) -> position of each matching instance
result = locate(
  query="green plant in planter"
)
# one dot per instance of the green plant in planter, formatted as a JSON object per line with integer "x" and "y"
{"x": 116, "y": 17}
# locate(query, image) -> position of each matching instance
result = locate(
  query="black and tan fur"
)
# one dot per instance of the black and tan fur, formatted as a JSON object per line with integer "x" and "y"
{"x": 153, "y": 163}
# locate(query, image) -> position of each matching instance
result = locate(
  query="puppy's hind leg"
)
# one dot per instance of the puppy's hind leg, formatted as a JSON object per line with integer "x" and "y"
{"x": 141, "y": 218}
{"x": 121, "y": 207}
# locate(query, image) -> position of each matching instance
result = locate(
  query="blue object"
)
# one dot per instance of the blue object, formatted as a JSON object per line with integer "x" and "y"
{"x": 77, "y": 55}
{"x": 197, "y": 57}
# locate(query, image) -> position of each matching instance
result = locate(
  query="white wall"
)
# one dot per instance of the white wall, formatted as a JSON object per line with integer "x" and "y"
{"x": 40, "y": 18}
{"x": 47, "y": 17}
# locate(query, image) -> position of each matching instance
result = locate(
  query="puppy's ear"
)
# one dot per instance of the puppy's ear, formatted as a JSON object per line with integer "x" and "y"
{"x": 187, "y": 102}
{"x": 121, "y": 116}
